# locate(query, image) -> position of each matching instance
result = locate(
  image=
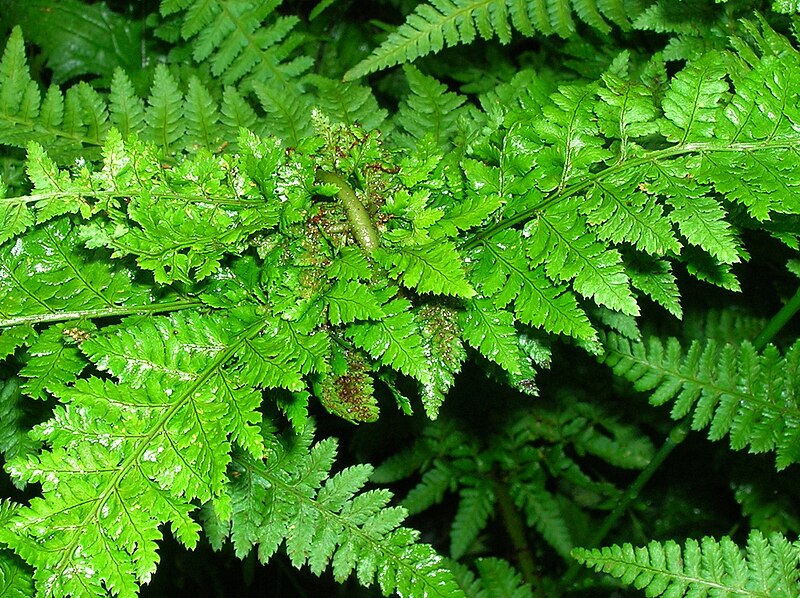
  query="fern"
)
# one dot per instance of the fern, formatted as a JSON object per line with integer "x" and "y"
{"x": 325, "y": 521}
{"x": 233, "y": 39}
{"x": 14, "y": 439}
{"x": 489, "y": 484}
{"x": 730, "y": 389}
{"x": 768, "y": 566}
{"x": 446, "y": 23}
{"x": 77, "y": 123}
{"x": 231, "y": 241}
{"x": 429, "y": 110}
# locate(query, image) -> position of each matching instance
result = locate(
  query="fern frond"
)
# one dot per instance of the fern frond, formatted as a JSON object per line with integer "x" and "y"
{"x": 429, "y": 110}
{"x": 394, "y": 340}
{"x": 475, "y": 506}
{"x": 446, "y": 23}
{"x": 200, "y": 112}
{"x": 766, "y": 567}
{"x": 74, "y": 124}
{"x": 430, "y": 490}
{"x": 164, "y": 115}
{"x": 492, "y": 333}
{"x": 765, "y": 180}
{"x": 351, "y": 301}
{"x": 690, "y": 103}
{"x": 25, "y": 117}
{"x": 14, "y": 438}
{"x": 237, "y": 114}
{"x": 430, "y": 268}
{"x": 15, "y": 216}
{"x": 175, "y": 222}
{"x": 53, "y": 360}
{"x": 498, "y": 579}
{"x": 329, "y": 521}
{"x": 16, "y": 580}
{"x": 560, "y": 240}
{"x": 543, "y": 512}
{"x": 654, "y": 278}
{"x": 506, "y": 277}
{"x": 45, "y": 275}
{"x": 240, "y": 39}
{"x": 730, "y": 389}
{"x": 287, "y": 111}
{"x": 161, "y": 435}
{"x": 347, "y": 103}
{"x": 445, "y": 350}
{"x": 127, "y": 109}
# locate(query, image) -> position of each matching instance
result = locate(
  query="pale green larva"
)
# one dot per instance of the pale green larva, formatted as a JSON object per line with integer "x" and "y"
{"x": 360, "y": 223}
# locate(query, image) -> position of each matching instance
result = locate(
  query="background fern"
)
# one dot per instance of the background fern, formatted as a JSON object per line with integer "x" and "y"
{"x": 445, "y": 23}
{"x": 703, "y": 567}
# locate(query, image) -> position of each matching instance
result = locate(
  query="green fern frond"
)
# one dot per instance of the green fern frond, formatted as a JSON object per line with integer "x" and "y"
{"x": 730, "y": 389}
{"x": 240, "y": 39}
{"x": 498, "y": 579}
{"x": 395, "y": 340}
{"x": 329, "y": 522}
{"x": 53, "y": 359}
{"x": 544, "y": 513}
{"x": 492, "y": 333}
{"x": 46, "y": 275}
{"x": 475, "y": 506}
{"x": 14, "y": 438}
{"x": 690, "y": 104}
{"x": 351, "y": 301}
{"x": 127, "y": 109}
{"x": 287, "y": 110}
{"x": 200, "y": 112}
{"x": 506, "y": 276}
{"x": 75, "y": 124}
{"x": 237, "y": 114}
{"x": 347, "y": 103}
{"x": 25, "y": 117}
{"x": 429, "y": 110}
{"x": 655, "y": 279}
{"x": 161, "y": 435}
{"x": 561, "y": 242}
{"x": 434, "y": 483}
{"x": 768, "y": 566}
{"x": 179, "y": 222}
{"x": 446, "y": 23}
{"x": 765, "y": 181}
{"x": 15, "y": 216}
{"x": 430, "y": 268}
{"x": 164, "y": 115}
{"x": 577, "y": 178}
{"x": 16, "y": 580}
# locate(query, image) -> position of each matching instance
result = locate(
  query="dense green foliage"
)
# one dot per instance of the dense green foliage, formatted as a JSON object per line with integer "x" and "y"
{"x": 487, "y": 231}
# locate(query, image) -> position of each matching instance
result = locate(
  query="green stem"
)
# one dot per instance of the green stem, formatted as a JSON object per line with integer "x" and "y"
{"x": 675, "y": 437}
{"x": 515, "y": 528}
{"x": 357, "y": 216}
{"x": 104, "y": 312}
{"x": 778, "y": 321}
{"x": 587, "y": 181}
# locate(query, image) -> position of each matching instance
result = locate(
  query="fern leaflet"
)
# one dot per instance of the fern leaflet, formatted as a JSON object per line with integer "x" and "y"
{"x": 767, "y": 567}
{"x": 446, "y": 23}
{"x": 732, "y": 390}
{"x": 326, "y": 521}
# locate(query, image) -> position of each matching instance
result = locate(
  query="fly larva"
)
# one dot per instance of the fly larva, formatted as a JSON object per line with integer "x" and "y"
{"x": 361, "y": 224}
